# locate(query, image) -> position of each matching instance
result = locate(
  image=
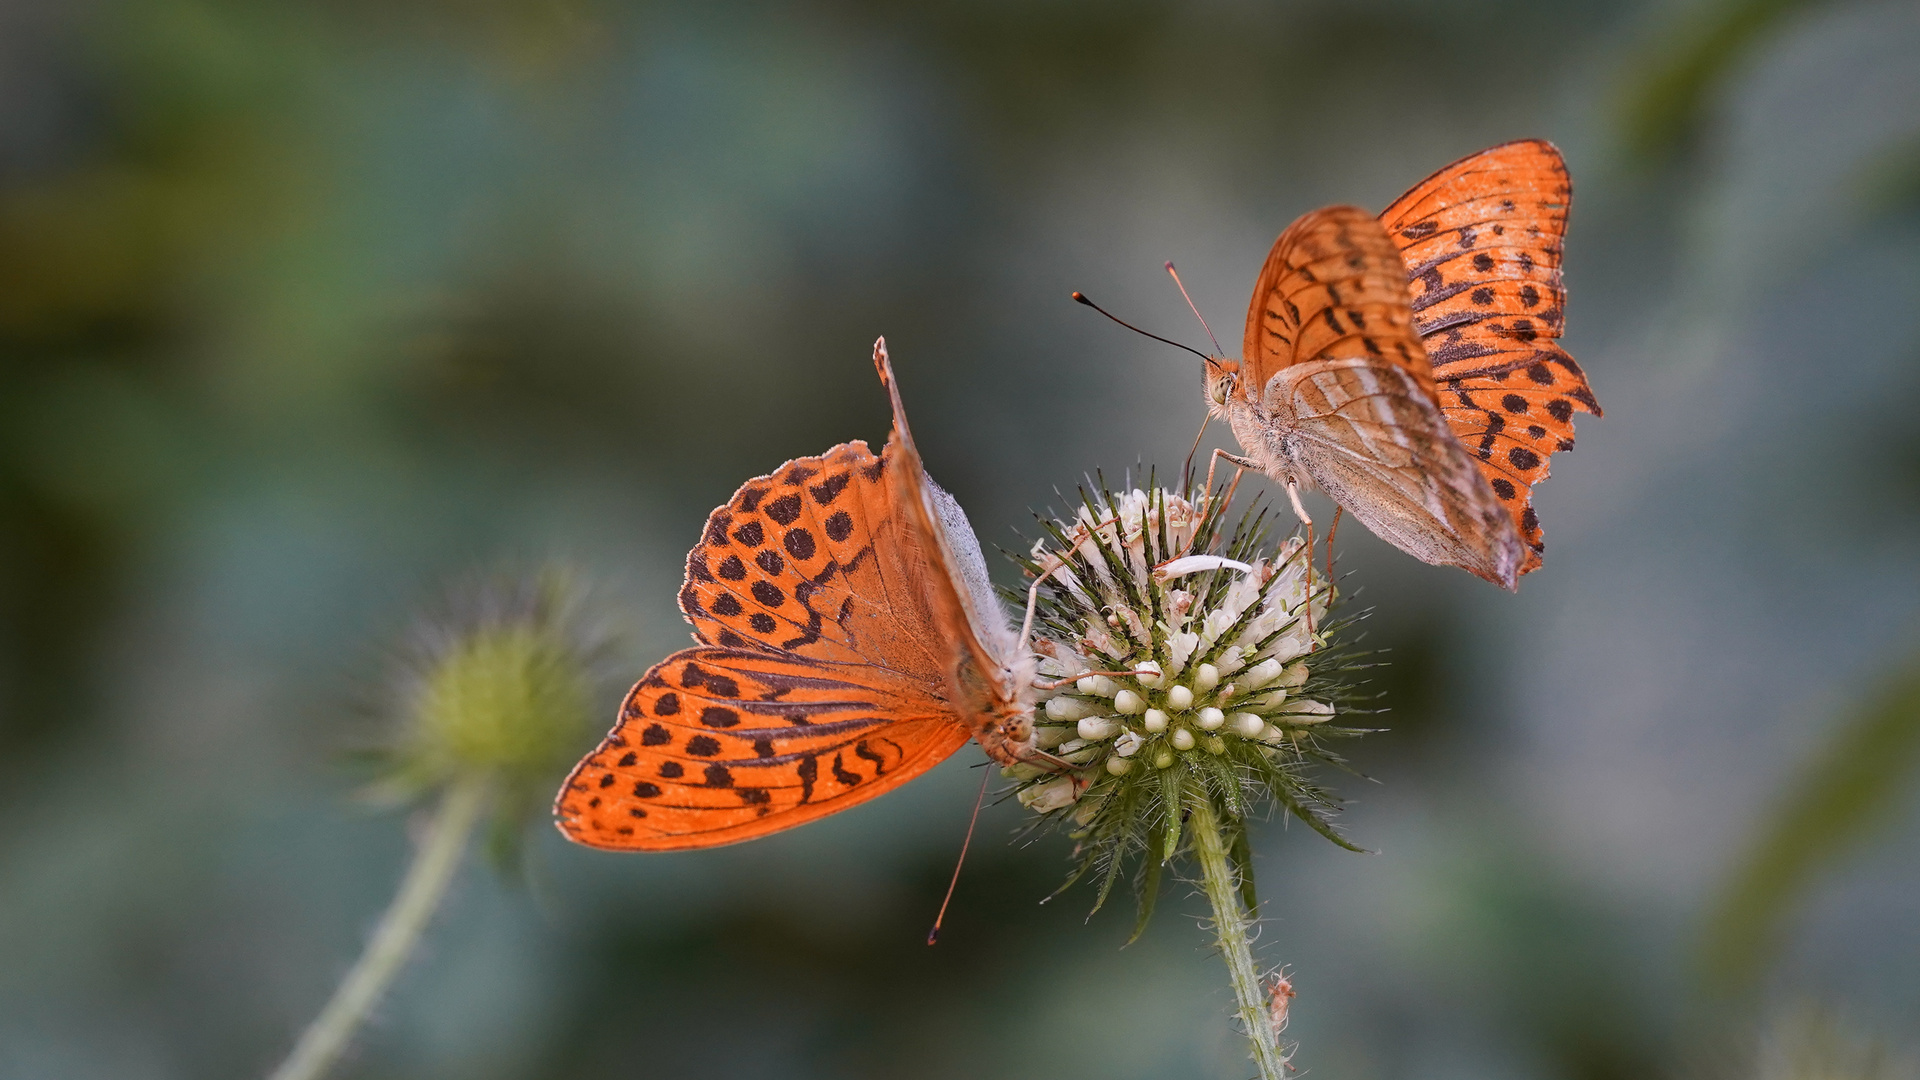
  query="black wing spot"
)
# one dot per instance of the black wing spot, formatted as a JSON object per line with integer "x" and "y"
{"x": 839, "y": 526}
{"x": 717, "y": 528}
{"x": 629, "y": 759}
{"x": 1503, "y": 487}
{"x": 666, "y": 705}
{"x": 1514, "y": 403}
{"x": 750, "y": 498}
{"x": 799, "y": 474}
{"x": 770, "y": 561}
{"x": 768, "y": 593}
{"x": 1529, "y": 296}
{"x": 718, "y": 776}
{"x": 672, "y": 770}
{"x": 752, "y": 534}
{"x": 646, "y": 790}
{"x": 799, "y": 544}
{"x": 655, "y": 735}
{"x": 1483, "y": 262}
{"x": 1523, "y": 458}
{"x": 784, "y": 509}
{"x": 829, "y": 489}
{"x": 716, "y": 716}
{"x": 1482, "y": 296}
{"x": 762, "y": 623}
{"x": 1539, "y": 373}
{"x": 703, "y": 746}
{"x": 1419, "y": 230}
{"x": 607, "y": 780}
{"x": 732, "y": 568}
{"x": 726, "y": 605}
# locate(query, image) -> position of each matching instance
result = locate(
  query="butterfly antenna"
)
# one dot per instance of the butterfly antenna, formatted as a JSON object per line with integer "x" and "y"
{"x": 1082, "y": 299}
{"x": 1196, "y": 311}
{"x": 933, "y": 935}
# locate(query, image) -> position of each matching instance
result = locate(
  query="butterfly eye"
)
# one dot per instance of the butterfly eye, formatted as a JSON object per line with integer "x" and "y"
{"x": 1218, "y": 387}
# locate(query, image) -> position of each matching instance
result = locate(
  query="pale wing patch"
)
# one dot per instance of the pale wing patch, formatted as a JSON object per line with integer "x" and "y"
{"x": 1367, "y": 434}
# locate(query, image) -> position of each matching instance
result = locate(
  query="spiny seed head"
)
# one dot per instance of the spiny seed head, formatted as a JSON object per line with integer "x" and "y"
{"x": 1217, "y": 671}
{"x": 502, "y": 687}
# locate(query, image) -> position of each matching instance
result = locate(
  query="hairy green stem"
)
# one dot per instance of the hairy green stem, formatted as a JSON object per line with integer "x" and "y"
{"x": 394, "y": 939}
{"x": 1230, "y": 923}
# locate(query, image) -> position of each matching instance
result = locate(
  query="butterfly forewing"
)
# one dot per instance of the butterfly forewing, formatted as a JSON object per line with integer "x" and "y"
{"x": 1482, "y": 242}
{"x": 1333, "y": 286}
{"x": 821, "y": 686}
{"x": 809, "y": 561}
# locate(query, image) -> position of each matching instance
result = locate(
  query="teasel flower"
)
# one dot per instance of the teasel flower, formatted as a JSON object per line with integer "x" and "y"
{"x": 491, "y": 699}
{"x": 1218, "y": 684}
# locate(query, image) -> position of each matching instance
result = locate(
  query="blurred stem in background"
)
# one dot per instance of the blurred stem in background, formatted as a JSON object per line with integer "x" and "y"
{"x": 399, "y": 932}
{"x": 1666, "y": 104}
{"x": 1856, "y": 785}
{"x": 494, "y": 704}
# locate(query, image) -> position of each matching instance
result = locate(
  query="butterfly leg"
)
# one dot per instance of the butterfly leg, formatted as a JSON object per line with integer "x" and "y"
{"x": 1331, "y": 531}
{"x": 1212, "y": 462}
{"x": 1293, "y": 496}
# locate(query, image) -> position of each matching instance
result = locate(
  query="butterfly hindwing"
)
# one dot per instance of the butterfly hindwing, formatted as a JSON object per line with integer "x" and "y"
{"x": 1370, "y": 435}
{"x": 716, "y": 745}
{"x": 1482, "y": 241}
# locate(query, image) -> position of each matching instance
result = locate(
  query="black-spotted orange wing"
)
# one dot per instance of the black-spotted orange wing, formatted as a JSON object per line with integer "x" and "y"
{"x": 1482, "y": 242}
{"x": 832, "y": 667}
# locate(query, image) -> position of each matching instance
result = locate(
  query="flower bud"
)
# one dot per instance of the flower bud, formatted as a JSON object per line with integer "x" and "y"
{"x": 1180, "y": 698}
{"x": 1095, "y": 728}
{"x": 1182, "y": 739}
{"x": 1214, "y": 745}
{"x": 1129, "y": 703}
{"x": 1211, "y": 718}
{"x": 1066, "y": 708}
{"x": 1262, "y": 673}
{"x": 1294, "y": 675}
{"x": 1163, "y": 758}
{"x": 1306, "y": 712}
{"x": 1155, "y": 721}
{"x": 1048, "y": 736}
{"x": 1055, "y": 794}
{"x": 1246, "y": 725}
{"x": 1118, "y": 766}
{"x": 1151, "y": 676}
{"x": 1206, "y": 677}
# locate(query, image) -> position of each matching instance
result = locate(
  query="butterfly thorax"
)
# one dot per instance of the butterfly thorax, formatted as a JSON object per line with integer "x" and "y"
{"x": 1263, "y": 426}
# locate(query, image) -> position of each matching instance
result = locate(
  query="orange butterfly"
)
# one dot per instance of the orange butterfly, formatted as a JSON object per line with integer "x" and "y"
{"x": 1406, "y": 365}
{"x": 848, "y": 642}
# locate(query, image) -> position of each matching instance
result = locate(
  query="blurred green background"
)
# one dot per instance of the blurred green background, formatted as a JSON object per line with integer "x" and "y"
{"x": 306, "y": 308}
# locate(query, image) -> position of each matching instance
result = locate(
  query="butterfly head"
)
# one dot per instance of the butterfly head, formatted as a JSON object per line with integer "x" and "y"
{"x": 1006, "y": 731}
{"x": 1222, "y": 377}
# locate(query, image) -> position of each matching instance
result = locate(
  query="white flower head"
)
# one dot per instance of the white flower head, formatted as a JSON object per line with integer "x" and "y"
{"x": 1202, "y": 654}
